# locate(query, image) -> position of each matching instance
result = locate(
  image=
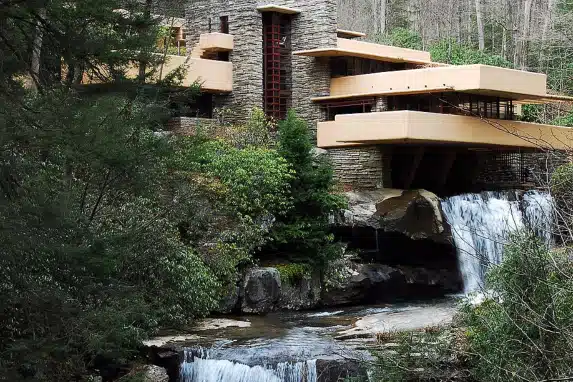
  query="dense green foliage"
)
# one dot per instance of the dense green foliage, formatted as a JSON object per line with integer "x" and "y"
{"x": 92, "y": 259}
{"x": 417, "y": 356}
{"x": 561, "y": 183}
{"x": 402, "y": 37}
{"x": 523, "y": 330}
{"x": 564, "y": 121}
{"x": 110, "y": 228}
{"x": 447, "y": 51}
{"x": 451, "y": 52}
{"x": 303, "y": 232}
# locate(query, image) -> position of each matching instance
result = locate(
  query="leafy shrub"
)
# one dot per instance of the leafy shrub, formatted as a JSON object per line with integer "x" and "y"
{"x": 293, "y": 273}
{"x": 253, "y": 181}
{"x": 255, "y": 132}
{"x": 523, "y": 330}
{"x": 561, "y": 183}
{"x": 304, "y": 230}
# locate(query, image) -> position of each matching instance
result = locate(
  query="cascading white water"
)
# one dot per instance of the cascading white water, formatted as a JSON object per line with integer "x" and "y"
{"x": 200, "y": 368}
{"x": 482, "y": 222}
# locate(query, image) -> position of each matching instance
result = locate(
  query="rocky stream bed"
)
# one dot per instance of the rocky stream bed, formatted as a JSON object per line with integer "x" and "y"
{"x": 411, "y": 251}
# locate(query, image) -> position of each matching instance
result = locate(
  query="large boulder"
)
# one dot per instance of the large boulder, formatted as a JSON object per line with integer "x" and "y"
{"x": 261, "y": 290}
{"x": 362, "y": 207}
{"x": 416, "y": 214}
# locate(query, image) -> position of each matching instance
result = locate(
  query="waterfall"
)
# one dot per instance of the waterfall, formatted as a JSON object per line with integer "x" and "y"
{"x": 198, "y": 367}
{"x": 481, "y": 224}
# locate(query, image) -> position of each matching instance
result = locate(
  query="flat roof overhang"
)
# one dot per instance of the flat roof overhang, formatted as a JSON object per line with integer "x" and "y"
{"x": 343, "y": 33}
{"x": 278, "y": 9}
{"x": 523, "y": 87}
{"x": 402, "y": 127}
{"x": 361, "y": 49}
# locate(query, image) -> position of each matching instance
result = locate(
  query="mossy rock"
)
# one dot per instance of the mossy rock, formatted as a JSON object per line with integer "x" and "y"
{"x": 294, "y": 273}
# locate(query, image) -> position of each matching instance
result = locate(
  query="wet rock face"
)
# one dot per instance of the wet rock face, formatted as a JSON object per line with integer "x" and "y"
{"x": 301, "y": 294}
{"x": 425, "y": 282}
{"x": 363, "y": 281}
{"x": 370, "y": 283}
{"x": 261, "y": 290}
{"x": 166, "y": 362}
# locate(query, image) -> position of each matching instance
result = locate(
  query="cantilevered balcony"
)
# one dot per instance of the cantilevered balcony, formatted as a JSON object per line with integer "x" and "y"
{"x": 213, "y": 76}
{"x": 524, "y": 87}
{"x": 404, "y": 127}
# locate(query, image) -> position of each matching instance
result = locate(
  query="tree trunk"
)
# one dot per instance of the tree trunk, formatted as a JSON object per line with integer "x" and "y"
{"x": 546, "y": 23}
{"x": 142, "y": 64}
{"x": 480, "y": 27}
{"x": 523, "y": 45}
{"x": 382, "y": 20}
{"x": 469, "y": 22}
{"x": 37, "y": 49}
{"x": 512, "y": 25}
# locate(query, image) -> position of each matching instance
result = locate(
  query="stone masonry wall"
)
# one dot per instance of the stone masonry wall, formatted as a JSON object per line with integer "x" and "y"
{"x": 245, "y": 23}
{"x": 358, "y": 167}
{"x": 314, "y": 27}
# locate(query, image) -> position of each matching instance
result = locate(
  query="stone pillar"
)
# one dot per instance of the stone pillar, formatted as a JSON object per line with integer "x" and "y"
{"x": 315, "y": 27}
{"x": 359, "y": 168}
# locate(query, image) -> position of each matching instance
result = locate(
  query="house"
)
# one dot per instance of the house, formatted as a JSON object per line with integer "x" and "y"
{"x": 388, "y": 116}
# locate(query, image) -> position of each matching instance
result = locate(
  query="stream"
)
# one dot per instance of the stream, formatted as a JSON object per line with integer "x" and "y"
{"x": 299, "y": 346}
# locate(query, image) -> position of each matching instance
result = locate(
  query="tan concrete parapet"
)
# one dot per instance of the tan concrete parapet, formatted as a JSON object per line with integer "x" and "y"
{"x": 401, "y": 127}
{"x": 216, "y": 42}
{"x": 213, "y": 76}
{"x": 478, "y": 79}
